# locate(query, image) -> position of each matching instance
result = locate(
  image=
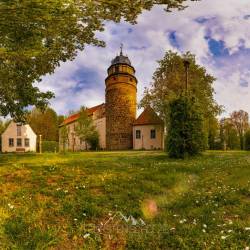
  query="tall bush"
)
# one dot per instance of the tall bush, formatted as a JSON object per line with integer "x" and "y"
{"x": 247, "y": 140}
{"x": 186, "y": 131}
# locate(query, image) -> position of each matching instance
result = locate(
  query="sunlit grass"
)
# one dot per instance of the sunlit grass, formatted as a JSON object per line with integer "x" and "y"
{"x": 125, "y": 200}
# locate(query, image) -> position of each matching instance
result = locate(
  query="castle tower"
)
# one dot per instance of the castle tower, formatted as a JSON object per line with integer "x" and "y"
{"x": 121, "y": 88}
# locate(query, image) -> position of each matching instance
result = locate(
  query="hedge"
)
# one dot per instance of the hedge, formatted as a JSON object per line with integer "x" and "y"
{"x": 49, "y": 146}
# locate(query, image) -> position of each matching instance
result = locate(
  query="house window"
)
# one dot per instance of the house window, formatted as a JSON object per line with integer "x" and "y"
{"x": 138, "y": 134}
{"x": 11, "y": 142}
{"x": 18, "y": 130}
{"x": 19, "y": 142}
{"x": 152, "y": 134}
{"x": 27, "y": 142}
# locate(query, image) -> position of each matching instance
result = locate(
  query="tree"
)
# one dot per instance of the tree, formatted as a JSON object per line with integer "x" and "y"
{"x": 45, "y": 123}
{"x": 37, "y": 35}
{"x": 3, "y": 126}
{"x": 168, "y": 84}
{"x": 64, "y": 138}
{"x": 86, "y": 130}
{"x": 240, "y": 121}
{"x": 213, "y": 129}
{"x": 185, "y": 132}
{"x": 228, "y": 135}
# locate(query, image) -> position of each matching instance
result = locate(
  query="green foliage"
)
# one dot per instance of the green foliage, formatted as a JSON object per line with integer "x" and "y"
{"x": 93, "y": 140}
{"x": 247, "y": 140}
{"x": 86, "y": 130}
{"x": 24, "y": 236}
{"x": 213, "y": 130}
{"x": 186, "y": 132}
{"x": 64, "y": 137}
{"x": 50, "y": 146}
{"x": 37, "y": 35}
{"x": 240, "y": 121}
{"x": 169, "y": 83}
{"x": 45, "y": 123}
{"x": 229, "y": 138}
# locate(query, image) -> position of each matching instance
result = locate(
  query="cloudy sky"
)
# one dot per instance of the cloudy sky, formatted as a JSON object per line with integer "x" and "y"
{"x": 217, "y": 32}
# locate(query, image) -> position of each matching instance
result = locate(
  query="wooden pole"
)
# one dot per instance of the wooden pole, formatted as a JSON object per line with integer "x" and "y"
{"x": 40, "y": 144}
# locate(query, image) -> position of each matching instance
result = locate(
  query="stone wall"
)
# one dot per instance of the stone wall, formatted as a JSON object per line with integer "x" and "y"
{"x": 120, "y": 111}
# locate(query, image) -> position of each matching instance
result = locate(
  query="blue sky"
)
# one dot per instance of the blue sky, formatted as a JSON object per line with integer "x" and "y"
{"x": 217, "y": 32}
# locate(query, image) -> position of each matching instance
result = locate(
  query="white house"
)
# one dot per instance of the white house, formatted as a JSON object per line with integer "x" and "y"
{"x": 18, "y": 138}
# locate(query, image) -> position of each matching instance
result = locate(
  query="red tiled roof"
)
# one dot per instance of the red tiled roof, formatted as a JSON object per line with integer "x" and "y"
{"x": 75, "y": 117}
{"x": 148, "y": 117}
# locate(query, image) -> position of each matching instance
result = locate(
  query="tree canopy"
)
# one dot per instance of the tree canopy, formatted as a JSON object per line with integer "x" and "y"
{"x": 86, "y": 130}
{"x": 169, "y": 83}
{"x": 36, "y": 35}
{"x": 45, "y": 123}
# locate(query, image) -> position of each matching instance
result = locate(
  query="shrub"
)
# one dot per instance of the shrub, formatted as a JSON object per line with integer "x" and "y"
{"x": 247, "y": 140}
{"x": 93, "y": 140}
{"x": 186, "y": 132}
{"x": 50, "y": 146}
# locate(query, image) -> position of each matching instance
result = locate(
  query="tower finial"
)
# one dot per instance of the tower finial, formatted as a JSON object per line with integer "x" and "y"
{"x": 121, "y": 49}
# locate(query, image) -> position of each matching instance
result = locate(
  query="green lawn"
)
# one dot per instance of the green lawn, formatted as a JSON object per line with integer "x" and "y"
{"x": 125, "y": 200}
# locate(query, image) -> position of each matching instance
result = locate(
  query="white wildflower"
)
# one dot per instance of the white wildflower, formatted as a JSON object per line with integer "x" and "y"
{"x": 224, "y": 237}
{"x": 86, "y": 235}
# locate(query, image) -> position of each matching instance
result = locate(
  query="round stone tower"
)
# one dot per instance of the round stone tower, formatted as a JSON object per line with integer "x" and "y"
{"x": 121, "y": 89}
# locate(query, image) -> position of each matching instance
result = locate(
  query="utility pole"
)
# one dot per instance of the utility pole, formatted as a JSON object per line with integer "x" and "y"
{"x": 40, "y": 144}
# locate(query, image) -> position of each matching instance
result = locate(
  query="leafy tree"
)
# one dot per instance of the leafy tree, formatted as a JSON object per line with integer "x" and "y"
{"x": 45, "y": 123}
{"x": 240, "y": 121}
{"x": 213, "y": 129}
{"x": 168, "y": 84}
{"x": 37, "y": 35}
{"x": 86, "y": 130}
{"x": 3, "y": 126}
{"x": 228, "y": 135}
{"x": 185, "y": 132}
{"x": 64, "y": 138}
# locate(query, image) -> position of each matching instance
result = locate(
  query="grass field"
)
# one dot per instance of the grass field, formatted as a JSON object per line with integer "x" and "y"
{"x": 125, "y": 200}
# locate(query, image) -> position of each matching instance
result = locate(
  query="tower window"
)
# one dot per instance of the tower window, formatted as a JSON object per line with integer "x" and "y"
{"x": 131, "y": 80}
{"x": 138, "y": 134}
{"x": 116, "y": 69}
{"x": 152, "y": 134}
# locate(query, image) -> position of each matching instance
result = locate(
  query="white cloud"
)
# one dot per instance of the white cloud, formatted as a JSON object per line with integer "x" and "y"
{"x": 147, "y": 42}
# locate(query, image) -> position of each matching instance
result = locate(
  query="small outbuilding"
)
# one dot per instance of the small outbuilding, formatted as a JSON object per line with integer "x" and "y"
{"x": 18, "y": 138}
{"x": 148, "y": 131}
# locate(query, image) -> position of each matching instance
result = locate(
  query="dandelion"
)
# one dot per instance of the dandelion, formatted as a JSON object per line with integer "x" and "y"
{"x": 203, "y": 230}
{"x": 75, "y": 219}
{"x": 204, "y": 225}
{"x": 247, "y": 228}
{"x": 66, "y": 191}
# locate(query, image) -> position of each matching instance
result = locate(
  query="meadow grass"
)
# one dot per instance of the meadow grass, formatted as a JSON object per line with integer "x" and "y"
{"x": 125, "y": 200}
